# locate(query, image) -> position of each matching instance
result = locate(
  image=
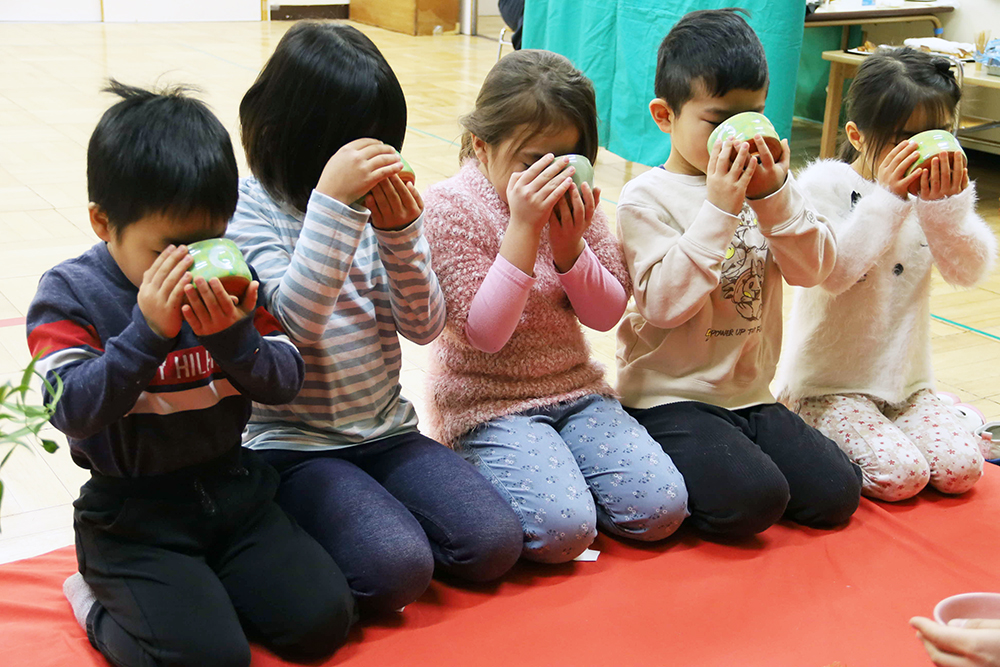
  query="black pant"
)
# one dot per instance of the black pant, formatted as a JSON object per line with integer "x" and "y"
{"x": 512, "y": 12}
{"x": 747, "y": 468}
{"x": 186, "y": 565}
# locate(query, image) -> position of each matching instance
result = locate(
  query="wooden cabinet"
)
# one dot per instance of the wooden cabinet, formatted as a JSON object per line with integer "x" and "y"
{"x": 412, "y": 17}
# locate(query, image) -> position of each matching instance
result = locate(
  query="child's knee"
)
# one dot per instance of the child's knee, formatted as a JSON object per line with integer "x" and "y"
{"x": 395, "y": 576}
{"x": 320, "y": 629}
{"x": 649, "y": 515}
{"x": 901, "y": 481}
{"x": 749, "y": 510}
{"x": 961, "y": 473}
{"x": 492, "y": 547}
{"x": 833, "y": 500}
{"x": 559, "y": 533}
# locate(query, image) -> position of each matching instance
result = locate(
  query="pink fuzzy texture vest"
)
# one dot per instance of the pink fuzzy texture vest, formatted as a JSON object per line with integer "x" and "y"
{"x": 547, "y": 360}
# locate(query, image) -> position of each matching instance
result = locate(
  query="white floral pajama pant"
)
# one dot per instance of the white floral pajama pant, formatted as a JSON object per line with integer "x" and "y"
{"x": 902, "y": 447}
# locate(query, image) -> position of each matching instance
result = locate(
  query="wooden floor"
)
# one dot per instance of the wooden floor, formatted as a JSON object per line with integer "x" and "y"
{"x": 50, "y": 80}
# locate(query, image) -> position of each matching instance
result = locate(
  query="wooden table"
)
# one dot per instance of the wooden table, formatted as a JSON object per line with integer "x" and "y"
{"x": 906, "y": 14}
{"x": 843, "y": 66}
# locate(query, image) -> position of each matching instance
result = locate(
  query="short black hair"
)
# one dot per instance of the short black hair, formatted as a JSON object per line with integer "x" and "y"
{"x": 325, "y": 85}
{"x": 160, "y": 152}
{"x": 714, "y": 46}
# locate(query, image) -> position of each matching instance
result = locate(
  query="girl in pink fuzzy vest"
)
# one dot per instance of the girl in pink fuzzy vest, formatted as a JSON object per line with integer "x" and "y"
{"x": 524, "y": 257}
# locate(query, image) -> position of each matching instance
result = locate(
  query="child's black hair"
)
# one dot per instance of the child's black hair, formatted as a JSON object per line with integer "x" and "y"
{"x": 715, "y": 47}
{"x": 890, "y": 85}
{"x": 160, "y": 152}
{"x": 325, "y": 85}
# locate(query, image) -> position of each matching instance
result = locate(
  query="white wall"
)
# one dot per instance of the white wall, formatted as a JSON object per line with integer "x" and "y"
{"x": 961, "y": 25}
{"x": 155, "y": 11}
{"x": 52, "y": 11}
{"x": 972, "y": 16}
{"x": 489, "y": 8}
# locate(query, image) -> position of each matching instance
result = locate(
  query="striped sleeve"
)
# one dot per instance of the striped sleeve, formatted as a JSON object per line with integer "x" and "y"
{"x": 300, "y": 285}
{"x": 102, "y": 380}
{"x": 415, "y": 296}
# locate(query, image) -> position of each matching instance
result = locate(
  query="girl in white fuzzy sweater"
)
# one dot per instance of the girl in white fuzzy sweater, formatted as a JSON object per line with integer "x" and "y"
{"x": 857, "y": 362}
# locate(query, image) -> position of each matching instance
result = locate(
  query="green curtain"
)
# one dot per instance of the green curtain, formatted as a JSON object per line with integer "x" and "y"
{"x": 614, "y": 42}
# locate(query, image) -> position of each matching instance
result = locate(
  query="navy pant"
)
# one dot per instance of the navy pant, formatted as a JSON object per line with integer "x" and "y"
{"x": 388, "y": 511}
{"x": 186, "y": 566}
{"x": 746, "y": 469}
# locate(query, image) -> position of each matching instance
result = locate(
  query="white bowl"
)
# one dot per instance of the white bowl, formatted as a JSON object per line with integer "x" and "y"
{"x": 968, "y": 605}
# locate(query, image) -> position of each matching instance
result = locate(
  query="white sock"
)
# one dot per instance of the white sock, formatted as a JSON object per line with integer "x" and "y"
{"x": 81, "y": 597}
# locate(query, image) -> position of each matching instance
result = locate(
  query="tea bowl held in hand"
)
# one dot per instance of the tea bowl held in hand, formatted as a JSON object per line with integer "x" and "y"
{"x": 742, "y": 127}
{"x": 407, "y": 175}
{"x": 584, "y": 170}
{"x": 968, "y": 605}
{"x": 222, "y": 259}
{"x": 931, "y": 144}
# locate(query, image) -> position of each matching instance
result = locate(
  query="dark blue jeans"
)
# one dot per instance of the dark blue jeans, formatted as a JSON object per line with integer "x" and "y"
{"x": 388, "y": 511}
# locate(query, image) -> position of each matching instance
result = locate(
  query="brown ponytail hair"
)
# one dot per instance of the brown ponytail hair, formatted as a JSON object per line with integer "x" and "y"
{"x": 537, "y": 90}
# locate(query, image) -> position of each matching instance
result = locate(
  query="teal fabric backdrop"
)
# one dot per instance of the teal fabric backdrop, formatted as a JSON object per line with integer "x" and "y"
{"x": 615, "y": 41}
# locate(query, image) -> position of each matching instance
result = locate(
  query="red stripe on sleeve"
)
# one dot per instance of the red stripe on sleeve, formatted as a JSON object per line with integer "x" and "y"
{"x": 266, "y": 323}
{"x": 62, "y": 335}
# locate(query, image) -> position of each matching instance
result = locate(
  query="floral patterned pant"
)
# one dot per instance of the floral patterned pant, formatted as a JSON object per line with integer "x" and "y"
{"x": 899, "y": 447}
{"x": 551, "y": 464}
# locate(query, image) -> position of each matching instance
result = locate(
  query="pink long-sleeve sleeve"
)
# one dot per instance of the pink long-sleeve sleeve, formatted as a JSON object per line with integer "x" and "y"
{"x": 598, "y": 298}
{"x": 498, "y": 305}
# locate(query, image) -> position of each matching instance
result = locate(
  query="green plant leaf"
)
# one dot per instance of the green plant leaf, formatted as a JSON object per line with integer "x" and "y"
{"x": 26, "y": 377}
{"x": 22, "y": 418}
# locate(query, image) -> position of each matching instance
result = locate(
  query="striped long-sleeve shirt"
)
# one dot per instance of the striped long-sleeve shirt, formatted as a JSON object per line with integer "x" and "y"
{"x": 136, "y": 404}
{"x": 342, "y": 289}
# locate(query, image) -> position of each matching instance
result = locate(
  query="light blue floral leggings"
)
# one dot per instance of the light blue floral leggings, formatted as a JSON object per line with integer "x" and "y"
{"x": 553, "y": 463}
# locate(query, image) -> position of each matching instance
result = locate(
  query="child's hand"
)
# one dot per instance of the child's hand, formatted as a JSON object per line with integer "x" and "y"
{"x": 356, "y": 168}
{"x": 569, "y": 221}
{"x": 210, "y": 309}
{"x": 394, "y": 204}
{"x": 944, "y": 179}
{"x": 976, "y": 644}
{"x": 727, "y": 181}
{"x": 892, "y": 172}
{"x": 534, "y": 192}
{"x": 769, "y": 175}
{"x": 162, "y": 291}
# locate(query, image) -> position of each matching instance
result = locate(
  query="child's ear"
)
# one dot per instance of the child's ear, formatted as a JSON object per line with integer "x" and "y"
{"x": 480, "y": 148}
{"x": 662, "y": 114}
{"x": 99, "y": 222}
{"x": 853, "y": 135}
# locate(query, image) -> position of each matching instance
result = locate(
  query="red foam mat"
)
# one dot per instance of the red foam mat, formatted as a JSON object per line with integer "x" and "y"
{"x": 794, "y": 597}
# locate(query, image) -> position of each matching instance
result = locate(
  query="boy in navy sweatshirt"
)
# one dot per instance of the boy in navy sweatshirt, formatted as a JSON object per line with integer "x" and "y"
{"x": 182, "y": 550}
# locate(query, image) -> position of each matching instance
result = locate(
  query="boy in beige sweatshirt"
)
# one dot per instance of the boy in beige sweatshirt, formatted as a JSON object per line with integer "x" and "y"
{"x": 708, "y": 238}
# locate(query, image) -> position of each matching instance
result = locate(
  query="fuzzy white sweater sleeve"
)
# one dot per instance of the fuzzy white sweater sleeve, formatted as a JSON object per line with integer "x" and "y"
{"x": 962, "y": 244}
